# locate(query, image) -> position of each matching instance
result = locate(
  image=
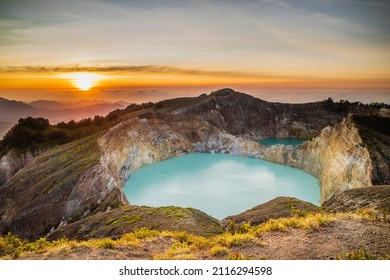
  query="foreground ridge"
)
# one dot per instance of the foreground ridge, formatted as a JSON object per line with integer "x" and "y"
{"x": 311, "y": 235}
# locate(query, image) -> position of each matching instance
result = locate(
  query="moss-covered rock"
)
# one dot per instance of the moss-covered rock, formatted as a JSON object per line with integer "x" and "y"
{"x": 279, "y": 207}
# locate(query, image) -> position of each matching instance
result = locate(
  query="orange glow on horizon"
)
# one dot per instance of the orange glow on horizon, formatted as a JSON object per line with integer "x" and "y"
{"x": 82, "y": 80}
{"x": 86, "y": 81}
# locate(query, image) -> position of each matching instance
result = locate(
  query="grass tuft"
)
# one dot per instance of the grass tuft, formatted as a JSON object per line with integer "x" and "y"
{"x": 106, "y": 243}
{"x": 178, "y": 251}
{"x": 229, "y": 240}
{"x": 218, "y": 250}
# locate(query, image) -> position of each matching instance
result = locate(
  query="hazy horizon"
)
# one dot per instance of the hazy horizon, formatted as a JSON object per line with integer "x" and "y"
{"x": 137, "y": 51}
{"x": 155, "y": 95}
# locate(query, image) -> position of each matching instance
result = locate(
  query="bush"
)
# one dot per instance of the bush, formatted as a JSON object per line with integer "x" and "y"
{"x": 34, "y": 123}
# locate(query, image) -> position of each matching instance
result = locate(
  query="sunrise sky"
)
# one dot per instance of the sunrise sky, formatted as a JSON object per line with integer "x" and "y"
{"x": 292, "y": 51}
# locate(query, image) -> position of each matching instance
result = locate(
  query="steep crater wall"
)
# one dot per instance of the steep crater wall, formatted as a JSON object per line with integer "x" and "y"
{"x": 340, "y": 157}
{"x": 138, "y": 142}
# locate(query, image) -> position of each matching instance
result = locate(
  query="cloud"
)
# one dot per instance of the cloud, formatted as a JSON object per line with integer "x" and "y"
{"x": 252, "y": 39}
{"x": 149, "y": 69}
{"x": 137, "y": 95}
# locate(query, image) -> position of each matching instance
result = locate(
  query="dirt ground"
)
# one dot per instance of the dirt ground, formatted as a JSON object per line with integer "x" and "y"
{"x": 330, "y": 241}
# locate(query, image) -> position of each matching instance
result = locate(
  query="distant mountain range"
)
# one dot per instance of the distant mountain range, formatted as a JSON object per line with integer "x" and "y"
{"x": 11, "y": 111}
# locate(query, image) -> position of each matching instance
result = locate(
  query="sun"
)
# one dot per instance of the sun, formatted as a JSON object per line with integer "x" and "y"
{"x": 84, "y": 81}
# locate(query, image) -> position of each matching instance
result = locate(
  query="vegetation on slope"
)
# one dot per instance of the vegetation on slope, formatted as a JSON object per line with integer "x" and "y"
{"x": 242, "y": 243}
{"x": 51, "y": 178}
{"x": 330, "y": 100}
{"x": 126, "y": 218}
{"x": 276, "y": 208}
{"x": 31, "y": 134}
{"x": 62, "y": 165}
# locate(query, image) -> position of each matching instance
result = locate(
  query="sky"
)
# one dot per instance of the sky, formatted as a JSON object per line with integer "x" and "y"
{"x": 287, "y": 51}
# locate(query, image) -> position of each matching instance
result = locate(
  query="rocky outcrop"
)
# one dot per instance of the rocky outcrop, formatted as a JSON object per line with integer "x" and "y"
{"x": 243, "y": 115}
{"x": 12, "y": 162}
{"x": 373, "y": 198}
{"x": 338, "y": 157}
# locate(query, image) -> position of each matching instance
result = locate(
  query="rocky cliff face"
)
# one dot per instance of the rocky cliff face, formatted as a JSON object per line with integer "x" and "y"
{"x": 243, "y": 115}
{"x": 375, "y": 134}
{"x": 72, "y": 181}
{"x": 138, "y": 142}
{"x": 338, "y": 157}
{"x": 58, "y": 186}
{"x": 12, "y": 163}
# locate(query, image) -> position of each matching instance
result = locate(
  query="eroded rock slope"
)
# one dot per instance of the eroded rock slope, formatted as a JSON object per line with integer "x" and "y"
{"x": 354, "y": 153}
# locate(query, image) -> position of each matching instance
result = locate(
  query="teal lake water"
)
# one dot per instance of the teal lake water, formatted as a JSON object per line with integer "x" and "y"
{"x": 218, "y": 184}
{"x": 285, "y": 141}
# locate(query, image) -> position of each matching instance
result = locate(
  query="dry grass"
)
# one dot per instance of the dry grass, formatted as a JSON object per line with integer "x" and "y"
{"x": 312, "y": 221}
{"x": 106, "y": 243}
{"x": 237, "y": 256}
{"x": 218, "y": 250}
{"x": 359, "y": 255}
{"x": 229, "y": 240}
{"x": 178, "y": 251}
{"x": 185, "y": 246}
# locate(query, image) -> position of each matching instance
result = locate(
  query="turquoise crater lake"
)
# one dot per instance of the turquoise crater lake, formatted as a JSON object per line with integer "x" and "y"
{"x": 284, "y": 141}
{"x": 218, "y": 184}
